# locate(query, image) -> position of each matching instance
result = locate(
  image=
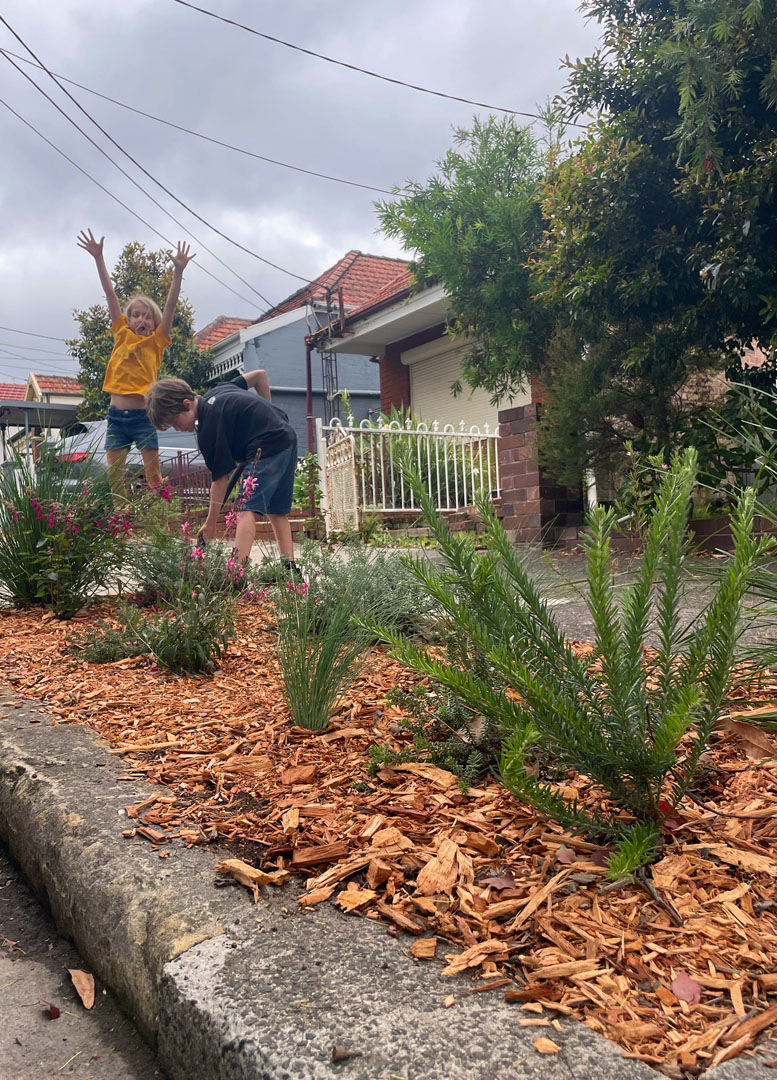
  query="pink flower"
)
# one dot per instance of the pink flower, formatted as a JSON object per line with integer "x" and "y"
{"x": 165, "y": 493}
{"x": 230, "y": 519}
{"x": 184, "y": 527}
{"x": 249, "y": 487}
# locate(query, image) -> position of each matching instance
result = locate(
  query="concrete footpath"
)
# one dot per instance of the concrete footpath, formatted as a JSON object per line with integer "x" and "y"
{"x": 228, "y": 990}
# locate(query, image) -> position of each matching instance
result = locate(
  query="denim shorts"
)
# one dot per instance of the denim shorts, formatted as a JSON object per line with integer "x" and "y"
{"x": 274, "y": 478}
{"x": 128, "y": 426}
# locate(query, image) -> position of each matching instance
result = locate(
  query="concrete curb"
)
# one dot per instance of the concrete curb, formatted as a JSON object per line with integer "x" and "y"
{"x": 229, "y": 990}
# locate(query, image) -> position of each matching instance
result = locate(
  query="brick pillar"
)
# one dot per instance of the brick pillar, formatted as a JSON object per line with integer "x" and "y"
{"x": 394, "y": 381}
{"x": 534, "y": 508}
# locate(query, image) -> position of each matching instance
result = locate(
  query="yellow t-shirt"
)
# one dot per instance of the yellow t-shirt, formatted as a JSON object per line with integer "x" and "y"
{"x": 135, "y": 361}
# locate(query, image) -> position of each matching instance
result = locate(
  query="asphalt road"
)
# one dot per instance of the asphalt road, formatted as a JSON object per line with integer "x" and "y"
{"x": 80, "y": 1044}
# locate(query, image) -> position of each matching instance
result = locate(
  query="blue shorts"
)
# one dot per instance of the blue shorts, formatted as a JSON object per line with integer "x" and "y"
{"x": 128, "y": 426}
{"x": 274, "y": 478}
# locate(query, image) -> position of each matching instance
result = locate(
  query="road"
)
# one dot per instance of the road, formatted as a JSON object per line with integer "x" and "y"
{"x": 80, "y": 1044}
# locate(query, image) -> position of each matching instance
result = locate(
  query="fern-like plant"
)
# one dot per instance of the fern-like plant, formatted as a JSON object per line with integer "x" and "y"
{"x": 634, "y": 723}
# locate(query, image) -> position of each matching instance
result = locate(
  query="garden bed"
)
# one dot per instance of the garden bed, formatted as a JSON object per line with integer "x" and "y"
{"x": 678, "y": 968}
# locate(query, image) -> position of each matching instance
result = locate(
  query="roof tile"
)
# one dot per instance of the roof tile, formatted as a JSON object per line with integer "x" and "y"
{"x": 219, "y": 329}
{"x": 10, "y": 391}
{"x": 58, "y": 384}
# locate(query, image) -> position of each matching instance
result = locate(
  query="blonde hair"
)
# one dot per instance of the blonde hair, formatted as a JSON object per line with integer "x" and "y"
{"x": 152, "y": 306}
{"x": 165, "y": 400}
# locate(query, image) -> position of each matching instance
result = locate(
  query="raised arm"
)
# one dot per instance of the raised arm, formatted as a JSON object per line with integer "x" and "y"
{"x": 182, "y": 257}
{"x": 258, "y": 381}
{"x": 95, "y": 248}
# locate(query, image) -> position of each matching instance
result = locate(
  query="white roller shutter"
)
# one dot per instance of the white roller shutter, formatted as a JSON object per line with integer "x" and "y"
{"x": 434, "y": 367}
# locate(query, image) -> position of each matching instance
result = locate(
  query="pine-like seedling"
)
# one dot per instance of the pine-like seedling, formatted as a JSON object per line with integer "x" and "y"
{"x": 633, "y": 721}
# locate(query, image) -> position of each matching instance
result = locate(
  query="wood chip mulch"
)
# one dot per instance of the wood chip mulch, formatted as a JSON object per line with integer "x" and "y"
{"x": 679, "y": 968}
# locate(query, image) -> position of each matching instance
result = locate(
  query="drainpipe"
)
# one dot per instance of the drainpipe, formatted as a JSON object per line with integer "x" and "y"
{"x": 309, "y": 393}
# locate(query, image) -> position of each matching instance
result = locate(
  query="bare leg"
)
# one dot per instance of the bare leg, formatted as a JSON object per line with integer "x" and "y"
{"x": 117, "y": 460}
{"x": 150, "y": 455}
{"x": 245, "y": 533}
{"x": 281, "y": 530}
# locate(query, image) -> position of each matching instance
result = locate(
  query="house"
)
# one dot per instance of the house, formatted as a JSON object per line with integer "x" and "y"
{"x": 406, "y": 328}
{"x": 53, "y": 389}
{"x": 277, "y": 343}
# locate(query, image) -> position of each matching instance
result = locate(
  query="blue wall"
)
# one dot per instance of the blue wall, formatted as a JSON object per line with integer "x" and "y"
{"x": 281, "y": 353}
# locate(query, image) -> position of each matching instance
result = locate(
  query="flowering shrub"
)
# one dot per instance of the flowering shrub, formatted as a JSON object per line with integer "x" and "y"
{"x": 160, "y": 563}
{"x": 60, "y": 537}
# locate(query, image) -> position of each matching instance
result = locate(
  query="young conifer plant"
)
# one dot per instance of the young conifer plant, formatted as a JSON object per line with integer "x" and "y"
{"x": 633, "y": 721}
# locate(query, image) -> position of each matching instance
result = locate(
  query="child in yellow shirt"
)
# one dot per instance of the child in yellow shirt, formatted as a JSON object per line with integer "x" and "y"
{"x": 140, "y": 336}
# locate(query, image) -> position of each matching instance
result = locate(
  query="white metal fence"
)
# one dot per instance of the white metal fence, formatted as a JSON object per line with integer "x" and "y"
{"x": 360, "y": 467}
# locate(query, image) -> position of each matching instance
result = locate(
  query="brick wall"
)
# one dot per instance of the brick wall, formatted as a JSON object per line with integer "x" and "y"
{"x": 394, "y": 381}
{"x": 534, "y": 508}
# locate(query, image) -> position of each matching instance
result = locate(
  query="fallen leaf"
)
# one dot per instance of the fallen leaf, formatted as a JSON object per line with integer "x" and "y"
{"x": 546, "y": 1046}
{"x": 565, "y": 855}
{"x": 686, "y": 989}
{"x": 601, "y": 855}
{"x": 450, "y": 1000}
{"x": 52, "y": 1010}
{"x": 498, "y": 882}
{"x": 84, "y": 984}
{"x": 342, "y": 1053}
{"x": 756, "y": 743}
{"x": 433, "y": 773}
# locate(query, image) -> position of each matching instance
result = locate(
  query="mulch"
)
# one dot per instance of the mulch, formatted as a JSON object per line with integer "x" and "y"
{"x": 678, "y": 968}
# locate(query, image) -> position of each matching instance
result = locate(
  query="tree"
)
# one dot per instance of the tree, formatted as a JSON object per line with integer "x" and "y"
{"x": 474, "y": 227}
{"x": 149, "y": 273}
{"x": 660, "y": 249}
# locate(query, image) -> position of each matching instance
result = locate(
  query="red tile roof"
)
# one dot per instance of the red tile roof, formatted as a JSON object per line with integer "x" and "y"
{"x": 58, "y": 384}
{"x": 360, "y": 277}
{"x": 11, "y": 391}
{"x": 219, "y": 329}
{"x": 396, "y": 289}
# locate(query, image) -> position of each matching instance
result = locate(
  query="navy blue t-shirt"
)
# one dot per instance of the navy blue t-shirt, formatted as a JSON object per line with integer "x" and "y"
{"x": 233, "y": 423}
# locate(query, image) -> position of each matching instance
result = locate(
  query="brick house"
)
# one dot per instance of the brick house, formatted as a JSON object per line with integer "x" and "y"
{"x": 418, "y": 363}
{"x": 277, "y": 342}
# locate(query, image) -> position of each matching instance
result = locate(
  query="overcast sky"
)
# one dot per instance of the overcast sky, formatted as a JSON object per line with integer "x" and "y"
{"x": 221, "y": 81}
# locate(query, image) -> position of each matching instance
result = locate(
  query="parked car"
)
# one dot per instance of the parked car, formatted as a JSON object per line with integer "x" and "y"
{"x": 182, "y": 465}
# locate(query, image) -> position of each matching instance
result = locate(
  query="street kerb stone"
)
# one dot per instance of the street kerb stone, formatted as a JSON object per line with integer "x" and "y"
{"x": 229, "y": 990}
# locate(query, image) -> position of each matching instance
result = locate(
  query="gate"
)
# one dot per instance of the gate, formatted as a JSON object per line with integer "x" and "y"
{"x": 338, "y": 458}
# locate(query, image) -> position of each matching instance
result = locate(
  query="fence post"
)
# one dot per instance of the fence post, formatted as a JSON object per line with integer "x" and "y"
{"x": 321, "y": 452}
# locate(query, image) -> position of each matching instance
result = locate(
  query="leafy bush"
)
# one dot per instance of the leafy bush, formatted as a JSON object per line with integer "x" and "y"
{"x": 192, "y": 633}
{"x": 375, "y": 585}
{"x": 60, "y": 537}
{"x": 306, "y": 480}
{"x": 319, "y": 656}
{"x": 635, "y": 724}
{"x": 104, "y": 644}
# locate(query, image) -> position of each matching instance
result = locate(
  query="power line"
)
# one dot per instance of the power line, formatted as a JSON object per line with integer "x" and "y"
{"x": 361, "y": 70}
{"x": 115, "y": 197}
{"x": 206, "y": 138}
{"x": 124, "y": 173}
{"x": 30, "y": 333}
{"x": 29, "y": 348}
{"x": 137, "y": 164}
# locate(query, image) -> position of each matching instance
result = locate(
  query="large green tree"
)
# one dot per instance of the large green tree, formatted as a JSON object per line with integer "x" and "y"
{"x": 474, "y": 227}
{"x": 660, "y": 247}
{"x": 148, "y": 273}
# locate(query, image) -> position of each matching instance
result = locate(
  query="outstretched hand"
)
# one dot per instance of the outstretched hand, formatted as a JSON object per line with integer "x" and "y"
{"x": 183, "y": 256}
{"x": 87, "y": 241}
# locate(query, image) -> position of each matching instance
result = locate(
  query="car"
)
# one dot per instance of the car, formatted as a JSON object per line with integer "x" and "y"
{"x": 183, "y": 466}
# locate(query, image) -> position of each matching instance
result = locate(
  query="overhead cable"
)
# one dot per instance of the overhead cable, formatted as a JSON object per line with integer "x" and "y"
{"x": 137, "y": 164}
{"x": 115, "y": 197}
{"x": 30, "y": 333}
{"x": 360, "y": 70}
{"x": 206, "y": 138}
